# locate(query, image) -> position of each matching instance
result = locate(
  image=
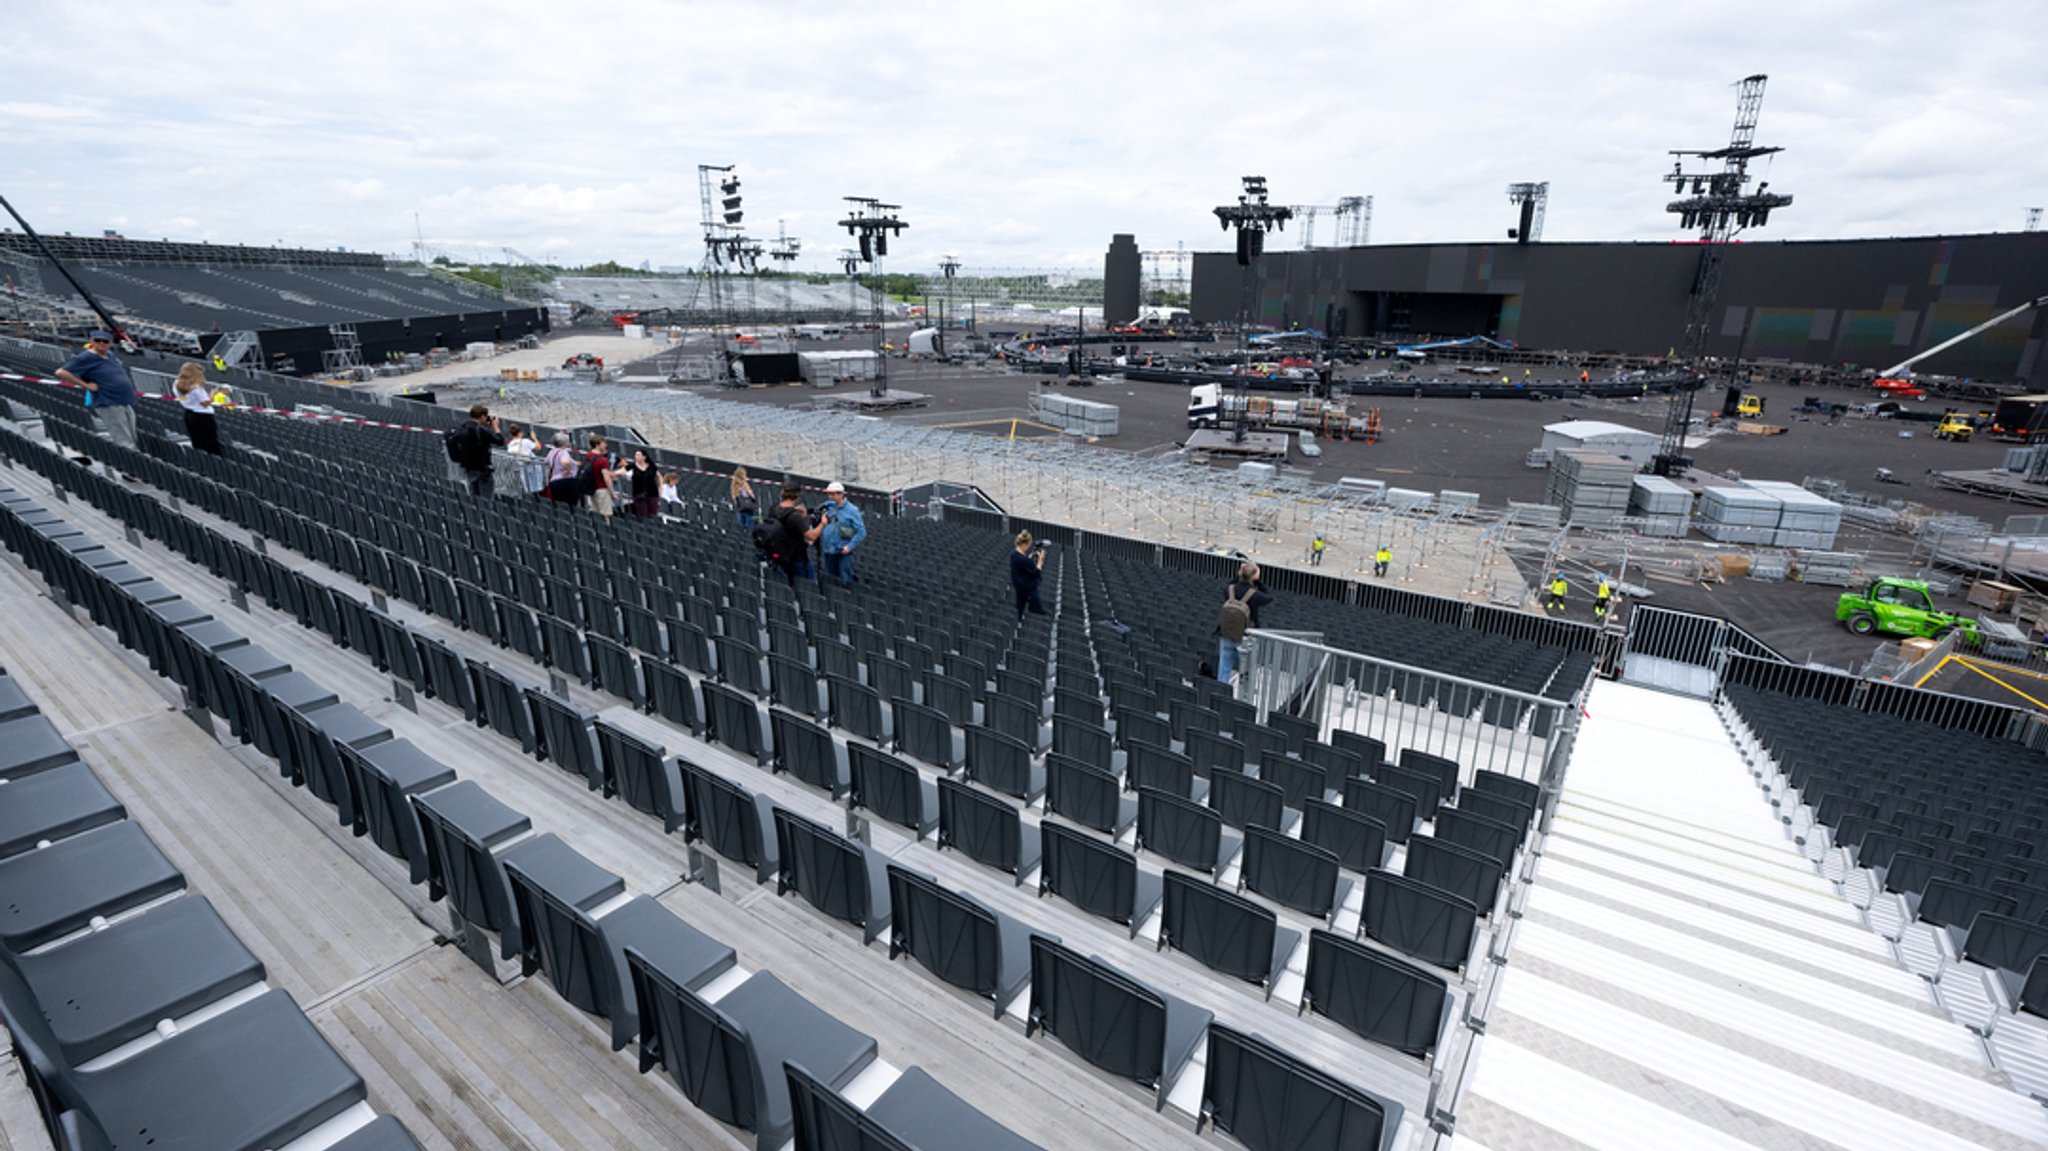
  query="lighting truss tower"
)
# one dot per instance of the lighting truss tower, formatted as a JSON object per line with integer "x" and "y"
{"x": 726, "y": 249}
{"x": 784, "y": 253}
{"x": 872, "y": 222}
{"x": 1715, "y": 201}
{"x": 1251, "y": 218}
{"x": 1532, "y": 198}
{"x": 1354, "y": 221}
{"x": 2033, "y": 219}
{"x": 949, "y": 267}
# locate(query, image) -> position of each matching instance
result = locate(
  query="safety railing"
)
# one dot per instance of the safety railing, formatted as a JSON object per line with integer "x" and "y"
{"x": 1480, "y": 725}
{"x": 1682, "y": 651}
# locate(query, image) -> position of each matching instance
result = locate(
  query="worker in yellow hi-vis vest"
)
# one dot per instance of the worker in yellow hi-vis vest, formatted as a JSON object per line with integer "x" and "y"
{"x": 1603, "y": 598}
{"x": 1558, "y": 589}
{"x": 1380, "y": 560}
{"x": 1315, "y": 551}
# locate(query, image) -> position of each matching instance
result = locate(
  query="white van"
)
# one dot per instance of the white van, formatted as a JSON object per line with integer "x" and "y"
{"x": 1306, "y": 442}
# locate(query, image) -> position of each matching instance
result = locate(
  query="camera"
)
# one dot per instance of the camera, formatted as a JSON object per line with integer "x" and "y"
{"x": 1039, "y": 547}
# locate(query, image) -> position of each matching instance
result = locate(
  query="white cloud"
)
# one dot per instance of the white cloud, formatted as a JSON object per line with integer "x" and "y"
{"x": 1014, "y": 135}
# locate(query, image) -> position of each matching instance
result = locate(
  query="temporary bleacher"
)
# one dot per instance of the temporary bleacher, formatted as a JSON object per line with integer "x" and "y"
{"x": 672, "y": 719}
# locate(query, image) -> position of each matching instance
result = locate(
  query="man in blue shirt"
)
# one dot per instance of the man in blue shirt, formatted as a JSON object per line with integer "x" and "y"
{"x": 844, "y": 531}
{"x": 113, "y": 394}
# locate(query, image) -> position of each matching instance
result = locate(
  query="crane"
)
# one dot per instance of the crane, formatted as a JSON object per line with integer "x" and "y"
{"x": 1952, "y": 341}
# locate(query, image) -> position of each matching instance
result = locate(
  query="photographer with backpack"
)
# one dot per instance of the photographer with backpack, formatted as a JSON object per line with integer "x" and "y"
{"x": 1240, "y": 613}
{"x": 469, "y": 447}
{"x": 785, "y": 535}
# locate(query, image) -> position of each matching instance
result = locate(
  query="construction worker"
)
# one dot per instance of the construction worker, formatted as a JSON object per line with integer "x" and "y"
{"x": 1315, "y": 551}
{"x": 220, "y": 363}
{"x": 1380, "y": 560}
{"x": 1602, "y": 597}
{"x": 1558, "y": 588}
{"x": 1585, "y": 377}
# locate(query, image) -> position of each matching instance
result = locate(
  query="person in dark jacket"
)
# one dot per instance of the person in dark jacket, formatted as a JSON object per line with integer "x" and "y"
{"x": 1248, "y": 590}
{"x": 1027, "y": 569}
{"x": 473, "y": 443}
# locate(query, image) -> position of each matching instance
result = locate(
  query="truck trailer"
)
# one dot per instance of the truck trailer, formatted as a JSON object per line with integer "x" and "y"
{"x": 2020, "y": 420}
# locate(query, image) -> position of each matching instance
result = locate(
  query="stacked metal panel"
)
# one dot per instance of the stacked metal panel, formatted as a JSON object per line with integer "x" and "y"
{"x": 1662, "y": 507}
{"x": 1591, "y": 487}
{"x": 1807, "y": 519}
{"x": 1085, "y": 417}
{"x": 1740, "y": 515}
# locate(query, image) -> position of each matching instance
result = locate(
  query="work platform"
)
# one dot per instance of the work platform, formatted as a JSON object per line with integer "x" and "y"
{"x": 887, "y": 400}
{"x": 1225, "y": 445}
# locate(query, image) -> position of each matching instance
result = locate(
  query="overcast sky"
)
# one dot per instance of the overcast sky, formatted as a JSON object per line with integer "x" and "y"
{"x": 1013, "y": 135}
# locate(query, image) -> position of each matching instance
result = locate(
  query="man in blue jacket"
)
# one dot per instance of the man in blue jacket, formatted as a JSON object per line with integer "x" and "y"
{"x": 845, "y": 530}
{"x": 113, "y": 394}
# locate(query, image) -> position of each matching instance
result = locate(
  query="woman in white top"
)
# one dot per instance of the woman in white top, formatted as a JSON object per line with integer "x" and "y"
{"x": 200, "y": 425}
{"x": 533, "y": 473}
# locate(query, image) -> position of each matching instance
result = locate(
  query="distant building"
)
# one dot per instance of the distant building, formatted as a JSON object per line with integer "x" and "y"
{"x": 1870, "y": 303}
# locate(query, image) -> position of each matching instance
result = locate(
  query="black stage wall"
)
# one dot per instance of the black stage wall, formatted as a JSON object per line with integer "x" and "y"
{"x": 1870, "y": 303}
{"x": 303, "y": 345}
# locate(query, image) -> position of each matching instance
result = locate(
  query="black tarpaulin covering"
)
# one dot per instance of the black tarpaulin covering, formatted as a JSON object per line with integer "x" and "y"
{"x": 1495, "y": 840}
{"x": 922, "y": 733}
{"x": 1289, "y": 872}
{"x": 854, "y": 708}
{"x": 1419, "y": 920}
{"x": 916, "y": 1113}
{"x": 1089, "y": 797}
{"x": 669, "y": 690}
{"x": 1445, "y": 771}
{"x": 1154, "y": 766}
{"x": 1459, "y": 870}
{"x": 1395, "y": 810}
{"x": 1374, "y": 995}
{"x": 552, "y": 889}
{"x": 1092, "y": 875}
{"x": 642, "y": 775}
{"x": 2034, "y": 993}
{"x": 1910, "y": 872}
{"x": 732, "y": 720}
{"x": 889, "y": 787}
{"x": 834, "y": 874}
{"x": 954, "y": 937}
{"x": 506, "y": 709}
{"x": 1270, "y": 1101}
{"x": 804, "y": 750}
{"x": 1520, "y": 791}
{"x": 1425, "y": 788}
{"x": 1185, "y": 832}
{"x": 1000, "y": 763}
{"x": 1140, "y": 727}
{"x": 1372, "y": 751}
{"x": 1084, "y": 741}
{"x": 1494, "y": 807}
{"x": 731, "y": 820}
{"x": 1947, "y": 903}
{"x": 1244, "y": 802}
{"x": 984, "y": 828}
{"x": 1108, "y": 1019}
{"x": 1296, "y": 780}
{"x": 1220, "y": 930}
{"x": 1211, "y": 752}
{"x": 1357, "y": 840}
{"x": 2005, "y": 943}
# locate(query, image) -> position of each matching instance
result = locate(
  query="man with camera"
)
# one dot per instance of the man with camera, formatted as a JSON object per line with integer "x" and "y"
{"x": 1027, "y": 568}
{"x": 846, "y": 531}
{"x": 470, "y": 447}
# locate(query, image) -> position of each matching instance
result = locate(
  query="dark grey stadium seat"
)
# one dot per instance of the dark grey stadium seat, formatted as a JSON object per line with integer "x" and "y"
{"x": 1269, "y": 1100}
{"x": 686, "y": 954}
{"x": 727, "y": 1057}
{"x": 915, "y": 1111}
{"x": 892, "y": 788}
{"x": 109, "y": 987}
{"x": 50, "y": 805}
{"x": 1112, "y": 1021}
{"x": 957, "y": 938}
{"x": 1224, "y": 932}
{"x": 387, "y": 775}
{"x": 1374, "y": 995}
{"x": 462, "y": 825}
{"x": 31, "y": 744}
{"x": 1183, "y": 831}
{"x": 381, "y": 1134}
{"x": 1099, "y": 878}
{"x": 47, "y": 894}
{"x": 985, "y": 829}
{"x": 838, "y": 876}
{"x": 731, "y": 820}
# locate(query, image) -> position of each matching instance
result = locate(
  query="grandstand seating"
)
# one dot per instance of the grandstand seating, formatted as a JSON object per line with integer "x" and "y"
{"x": 1939, "y": 837}
{"x": 984, "y": 688}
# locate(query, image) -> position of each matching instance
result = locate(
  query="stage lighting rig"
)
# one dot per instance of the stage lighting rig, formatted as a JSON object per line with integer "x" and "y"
{"x": 872, "y": 222}
{"x": 1718, "y": 206}
{"x": 1252, "y": 217}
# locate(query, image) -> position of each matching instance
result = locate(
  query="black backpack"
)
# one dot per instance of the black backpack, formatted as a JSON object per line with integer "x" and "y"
{"x": 454, "y": 439}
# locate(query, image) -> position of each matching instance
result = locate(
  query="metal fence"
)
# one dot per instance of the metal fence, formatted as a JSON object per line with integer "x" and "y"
{"x": 1682, "y": 651}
